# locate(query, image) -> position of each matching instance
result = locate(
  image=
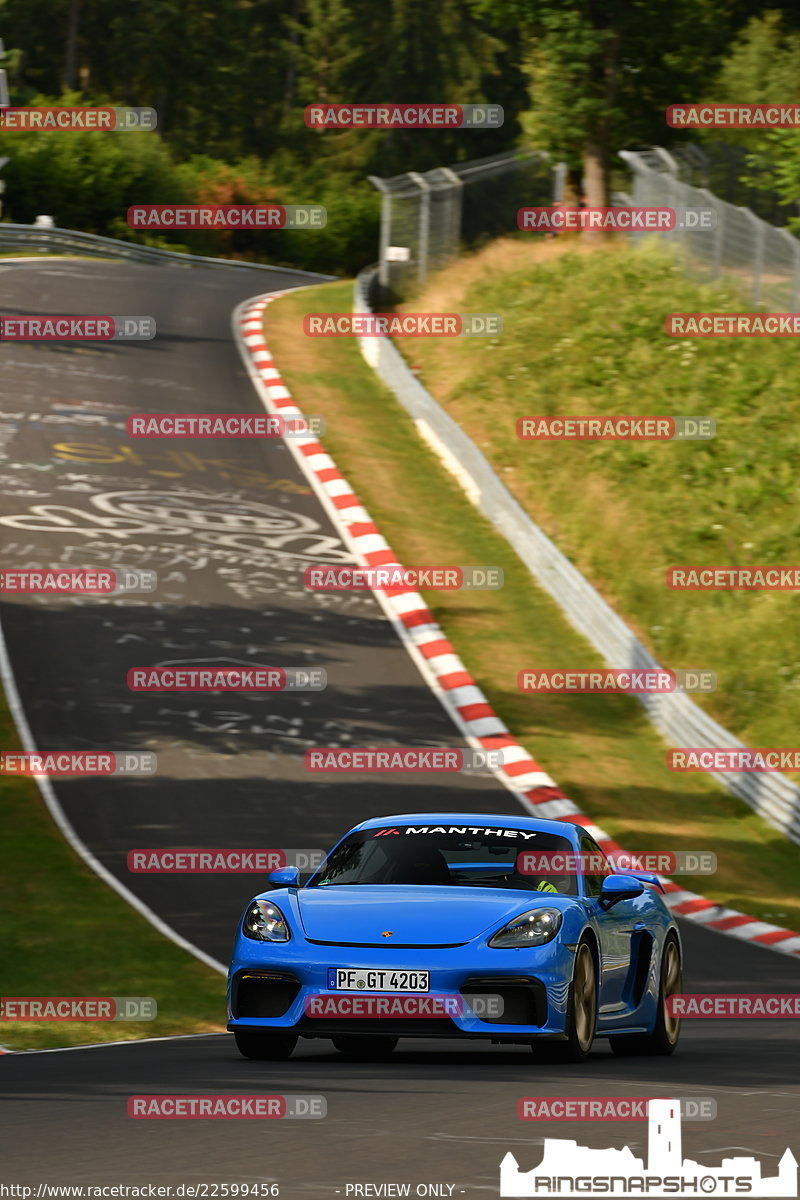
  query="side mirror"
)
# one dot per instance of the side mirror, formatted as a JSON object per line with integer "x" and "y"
{"x": 285, "y": 877}
{"x": 619, "y": 887}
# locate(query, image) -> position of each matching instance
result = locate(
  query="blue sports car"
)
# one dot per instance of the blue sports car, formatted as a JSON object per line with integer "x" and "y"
{"x": 462, "y": 926}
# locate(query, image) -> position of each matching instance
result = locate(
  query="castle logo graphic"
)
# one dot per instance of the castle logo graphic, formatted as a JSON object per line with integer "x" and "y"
{"x": 568, "y": 1169}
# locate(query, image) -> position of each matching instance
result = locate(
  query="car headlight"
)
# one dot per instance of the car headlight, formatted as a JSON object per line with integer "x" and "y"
{"x": 532, "y": 928}
{"x": 264, "y": 922}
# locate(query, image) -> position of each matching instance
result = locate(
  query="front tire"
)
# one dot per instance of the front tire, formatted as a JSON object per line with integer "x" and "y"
{"x": 267, "y": 1046}
{"x": 581, "y": 1014}
{"x": 364, "y": 1049}
{"x": 664, "y": 1038}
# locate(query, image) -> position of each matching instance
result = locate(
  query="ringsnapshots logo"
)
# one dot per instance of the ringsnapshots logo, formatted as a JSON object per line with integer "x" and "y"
{"x": 227, "y": 216}
{"x": 609, "y": 1108}
{"x": 69, "y": 581}
{"x": 393, "y": 577}
{"x": 397, "y": 758}
{"x": 55, "y": 763}
{"x": 615, "y": 429}
{"x": 222, "y": 425}
{"x": 404, "y": 116}
{"x": 623, "y": 680}
{"x": 77, "y": 328}
{"x": 190, "y": 678}
{"x": 227, "y": 1107}
{"x": 568, "y": 1169}
{"x": 78, "y": 120}
{"x": 78, "y": 1008}
{"x": 430, "y": 324}
{"x": 731, "y": 325}
{"x": 563, "y": 218}
{"x": 221, "y": 861}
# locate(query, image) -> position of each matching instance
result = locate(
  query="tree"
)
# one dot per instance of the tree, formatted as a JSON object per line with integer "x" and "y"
{"x": 602, "y": 72}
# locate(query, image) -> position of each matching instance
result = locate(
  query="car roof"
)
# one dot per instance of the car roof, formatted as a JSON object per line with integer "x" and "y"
{"x": 496, "y": 820}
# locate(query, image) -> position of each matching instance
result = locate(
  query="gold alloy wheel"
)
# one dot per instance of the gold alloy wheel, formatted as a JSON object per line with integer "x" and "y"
{"x": 584, "y": 998}
{"x": 672, "y": 984}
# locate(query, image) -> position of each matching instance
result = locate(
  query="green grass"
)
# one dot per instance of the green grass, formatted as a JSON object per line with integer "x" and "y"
{"x": 600, "y": 749}
{"x": 65, "y": 933}
{"x": 583, "y": 334}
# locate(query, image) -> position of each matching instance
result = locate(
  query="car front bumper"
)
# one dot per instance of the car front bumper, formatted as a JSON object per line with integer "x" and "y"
{"x": 272, "y": 985}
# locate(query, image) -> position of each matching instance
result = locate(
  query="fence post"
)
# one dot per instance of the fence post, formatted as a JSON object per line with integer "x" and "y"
{"x": 758, "y": 252}
{"x": 386, "y": 232}
{"x": 424, "y": 224}
{"x": 455, "y": 202}
{"x": 559, "y": 182}
{"x": 794, "y": 303}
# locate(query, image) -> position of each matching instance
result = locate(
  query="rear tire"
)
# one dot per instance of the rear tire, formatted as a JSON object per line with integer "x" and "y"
{"x": 267, "y": 1046}
{"x": 365, "y": 1049}
{"x": 581, "y": 1014}
{"x": 664, "y": 1038}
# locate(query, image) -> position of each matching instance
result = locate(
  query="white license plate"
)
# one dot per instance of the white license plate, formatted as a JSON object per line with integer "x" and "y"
{"x": 345, "y": 979}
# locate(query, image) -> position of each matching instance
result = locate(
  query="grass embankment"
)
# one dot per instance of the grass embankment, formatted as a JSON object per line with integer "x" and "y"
{"x": 65, "y": 933}
{"x": 584, "y": 334}
{"x": 600, "y": 749}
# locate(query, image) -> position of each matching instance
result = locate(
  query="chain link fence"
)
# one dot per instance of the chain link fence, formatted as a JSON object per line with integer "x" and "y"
{"x": 762, "y": 258}
{"x": 427, "y": 218}
{"x": 726, "y": 170}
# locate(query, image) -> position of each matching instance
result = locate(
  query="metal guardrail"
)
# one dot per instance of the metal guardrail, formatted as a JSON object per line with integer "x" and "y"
{"x": 42, "y": 240}
{"x": 681, "y": 722}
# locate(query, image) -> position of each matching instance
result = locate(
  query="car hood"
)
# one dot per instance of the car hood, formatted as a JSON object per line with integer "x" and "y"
{"x": 360, "y": 915}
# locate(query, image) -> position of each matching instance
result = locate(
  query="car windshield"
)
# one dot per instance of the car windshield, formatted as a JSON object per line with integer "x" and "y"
{"x": 518, "y": 859}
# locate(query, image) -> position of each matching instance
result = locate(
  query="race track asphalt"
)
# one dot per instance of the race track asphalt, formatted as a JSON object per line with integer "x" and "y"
{"x": 229, "y": 527}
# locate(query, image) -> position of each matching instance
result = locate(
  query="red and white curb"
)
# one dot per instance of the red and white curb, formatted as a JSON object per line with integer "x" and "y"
{"x": 434, "y": 655}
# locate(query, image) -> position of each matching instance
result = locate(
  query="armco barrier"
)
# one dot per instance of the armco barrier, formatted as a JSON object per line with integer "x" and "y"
{"x": 674, "y": 714}
{"x": 38, "y": 239}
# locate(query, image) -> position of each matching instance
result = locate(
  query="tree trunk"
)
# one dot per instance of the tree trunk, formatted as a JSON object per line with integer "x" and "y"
{"x": 595, "y": 174}
{"x": 71, "y": 57}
